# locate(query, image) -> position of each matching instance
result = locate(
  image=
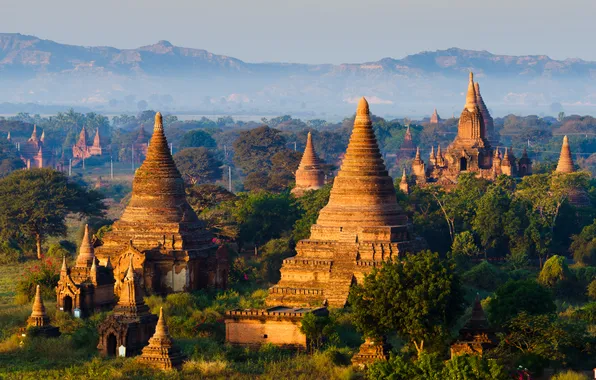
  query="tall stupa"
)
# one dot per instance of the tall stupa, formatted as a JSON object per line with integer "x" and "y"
{"x": 360, "y": 227}
{"x": 171, "y": 249}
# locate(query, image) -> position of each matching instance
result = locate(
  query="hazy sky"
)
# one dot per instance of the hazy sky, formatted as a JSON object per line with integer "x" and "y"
{"x": 315, "y": 31}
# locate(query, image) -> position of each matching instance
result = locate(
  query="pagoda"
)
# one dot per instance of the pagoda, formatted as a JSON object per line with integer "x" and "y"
{"x": 34, "y": 152}
{"x": 435, "y": 118}
{"x": 471, "y": 150}
{"x": 87, "y": 287}
{"x": 131, "y": 324}
{"x": 577, "y": 197}
{"x": 360, "y": 227}
{"x": 476, "y": 337}
{"x": 565, "y": 164}
{"x": 140, "y": 145}
{"x": 161, "y": 353}
{"x": 81, "y": 150}
{"x": 310, "y": 175}
{"x": 407, "y": 148}
{"x": 170, "y": 247}
{"x": 38, "y": 323}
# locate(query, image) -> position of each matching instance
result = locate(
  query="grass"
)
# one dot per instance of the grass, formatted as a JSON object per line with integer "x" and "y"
{"x": 195, "y": 322}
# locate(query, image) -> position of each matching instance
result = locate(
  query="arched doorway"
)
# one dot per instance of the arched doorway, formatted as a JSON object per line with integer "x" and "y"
{"x": 111, "y": 344}
{"x": 67, "y": 304}
{"x": 463, "y": 164}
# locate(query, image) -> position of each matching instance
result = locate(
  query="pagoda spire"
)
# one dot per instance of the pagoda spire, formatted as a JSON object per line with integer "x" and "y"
{"x": 43, "y": 136}
{"x": 96, "y": 139}
{"x": 38, "y": 316}
{"x": 34, "y": 133}
{"x": 417, "y": 154}
{"x": 161, "y": 352}
{"x": 8, "y": 137}
{"x": 86, "y": 255}
{"x": 565, "y": 164}
{"x": 471, "y": 95}
{"x": 131, "y": 295}
{"x": 309, "y": 158}
{"x": 432, "y": 153}
{"x": 64, "y": 269}
{"x": 362, "y": 180}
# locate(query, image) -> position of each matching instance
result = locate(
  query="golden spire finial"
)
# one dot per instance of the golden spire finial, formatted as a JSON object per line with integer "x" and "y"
{"x": 158, "y": 126}
{"x": 362, "y": 107}
{"x": 39, "y": 309}
{"x": 471, "y": 95}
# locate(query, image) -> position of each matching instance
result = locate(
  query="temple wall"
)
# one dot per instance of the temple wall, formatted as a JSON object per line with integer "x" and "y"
{"x": 258, "y": 332}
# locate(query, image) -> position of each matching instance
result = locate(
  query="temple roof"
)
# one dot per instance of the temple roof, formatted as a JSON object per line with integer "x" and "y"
{"x": 565, "y": 164}
{"x": 96, "y": 139}
{"x": 131, "y": 294}
{"x": 363, "y": 193}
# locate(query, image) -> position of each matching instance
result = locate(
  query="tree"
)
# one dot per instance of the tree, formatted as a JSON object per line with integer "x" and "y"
{"x": 516, "y": 296}
{"x": 583, "y": 245}
{"x": 263, "y": 216}
{"x": 37, "y": 202}
{"x": 197, "y": 139}
{"x": 543, "y": 335}
{"x": 198, "y": 165}
{"x": 316, "y": 328}
{"x": 310, "y": 204}
{"x": 204, "y": 196}
{"x": 418, "y": 295}
{"x": 554, "y": 271}
{"x": 464, "y": 245}
{"x": 254, "y": 149}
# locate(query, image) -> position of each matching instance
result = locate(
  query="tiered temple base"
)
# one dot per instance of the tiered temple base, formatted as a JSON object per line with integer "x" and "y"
{"x": 370, "y": 352}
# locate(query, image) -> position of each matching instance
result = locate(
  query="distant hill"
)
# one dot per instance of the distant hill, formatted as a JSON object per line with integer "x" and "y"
{"x": 167, "y": 76}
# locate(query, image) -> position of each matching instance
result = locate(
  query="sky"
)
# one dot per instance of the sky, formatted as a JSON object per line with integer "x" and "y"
{"x": 315, "y": 31}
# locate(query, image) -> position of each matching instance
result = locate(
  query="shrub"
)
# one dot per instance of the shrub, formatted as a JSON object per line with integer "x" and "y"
{"x": 570, "y": 375}
{"x": 57, "y": 250}
{"x": 554, "y": 271}
{"x": 44, "y": 272}
{"x": 485, "y": 276}
{"x": 587, "y": 313}
{"x": 592, "y": 290}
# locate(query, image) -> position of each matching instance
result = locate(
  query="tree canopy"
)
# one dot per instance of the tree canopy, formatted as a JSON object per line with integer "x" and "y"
{"x": 198, "y": 165}
{"x": 37, "y": 201}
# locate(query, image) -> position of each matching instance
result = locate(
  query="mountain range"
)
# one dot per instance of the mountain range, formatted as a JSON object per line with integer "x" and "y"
{"x": 33, "y": 70}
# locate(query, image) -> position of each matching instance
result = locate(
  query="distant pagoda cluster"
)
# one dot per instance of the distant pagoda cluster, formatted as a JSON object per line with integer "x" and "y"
{"x": 34, "y": 152}
{"x": 82, "y": 151}
{"x": 472, "y": 150}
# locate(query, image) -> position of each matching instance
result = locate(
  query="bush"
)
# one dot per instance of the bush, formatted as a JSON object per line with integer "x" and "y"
{"x": 517, "y": 296}
{"x": 485, "y": 276}
{"x": 587, "y": 313}
{"x": 570, "y": 375}
{"x": 44, "y": 272}
{"x": 554, "y": 271}
{"x": 592, "y": 290}
{"x": 57, "y": 250}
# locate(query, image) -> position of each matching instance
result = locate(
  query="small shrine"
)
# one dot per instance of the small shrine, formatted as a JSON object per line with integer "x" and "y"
{"x": 161, "y": 352}
{"x": 476, "y": 337}
{"x": 38, "y": 324}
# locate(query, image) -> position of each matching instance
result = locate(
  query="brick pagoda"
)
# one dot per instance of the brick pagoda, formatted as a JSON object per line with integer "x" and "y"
{"x": 310, "y": 175}
{"x": 161, "y": 352}
{"x": 38, "y": 323}
{"x": 360, "y": 227}
{"x": 170, "y": 247}
{"x": 476, "y": 337}
{"x": 86, "y": 287}
{"x": 131, "y": 324}
{"x": 81, "y": 150}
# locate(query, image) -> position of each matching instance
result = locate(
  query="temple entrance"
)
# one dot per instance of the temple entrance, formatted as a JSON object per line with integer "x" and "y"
{"x": 463, "y": 164}
{"x": 67, "y": 304}
{"x": 111, "y": 344}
